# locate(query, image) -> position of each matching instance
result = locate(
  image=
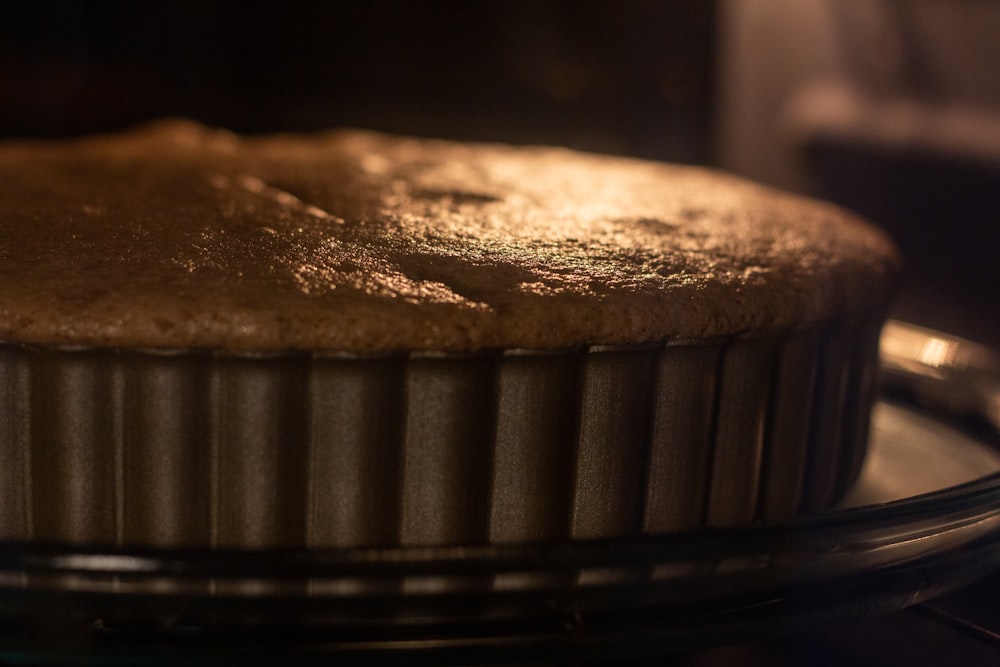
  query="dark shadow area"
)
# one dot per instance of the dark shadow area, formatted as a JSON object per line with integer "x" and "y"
{"x": 631, "y": 77}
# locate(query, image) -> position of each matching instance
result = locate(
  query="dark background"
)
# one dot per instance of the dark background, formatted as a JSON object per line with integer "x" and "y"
{"x": 632, "y": 77}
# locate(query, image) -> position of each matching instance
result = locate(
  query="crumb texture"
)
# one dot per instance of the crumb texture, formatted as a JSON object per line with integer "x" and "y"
{"x": 179, "y": 236}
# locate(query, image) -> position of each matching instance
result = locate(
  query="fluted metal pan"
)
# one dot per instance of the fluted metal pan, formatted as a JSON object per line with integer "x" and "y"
{"x": 168, "y": 448}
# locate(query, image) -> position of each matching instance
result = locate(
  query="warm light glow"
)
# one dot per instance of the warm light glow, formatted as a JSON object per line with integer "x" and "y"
{"x": 937, "y": 352}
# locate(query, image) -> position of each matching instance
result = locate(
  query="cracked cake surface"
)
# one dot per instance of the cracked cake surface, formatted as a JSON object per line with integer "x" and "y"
{"x": 174, "y": 235}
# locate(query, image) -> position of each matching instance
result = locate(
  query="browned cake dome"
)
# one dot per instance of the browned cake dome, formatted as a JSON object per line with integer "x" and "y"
{"x": 350, "y": 339}
{"x": 179, "y": 236}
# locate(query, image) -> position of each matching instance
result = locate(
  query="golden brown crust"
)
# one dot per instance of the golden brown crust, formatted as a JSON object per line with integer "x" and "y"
{"x": 177, "y": 236}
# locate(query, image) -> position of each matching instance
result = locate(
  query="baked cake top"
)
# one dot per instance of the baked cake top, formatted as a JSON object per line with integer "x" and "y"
{"x": 178, "y": 236}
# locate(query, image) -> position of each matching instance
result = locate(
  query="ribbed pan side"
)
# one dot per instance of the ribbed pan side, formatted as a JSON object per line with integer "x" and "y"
{"x": 357, "y": 419}
{"x": 683, "y": 413}
{"x": 538, "y": 413}
{"x": 76, "y": 447}
{"x": 196, "y": 449}
{"x": 15, "y": 446}
{"x": 167, "y": 453}
{"x": 612, "y": 443}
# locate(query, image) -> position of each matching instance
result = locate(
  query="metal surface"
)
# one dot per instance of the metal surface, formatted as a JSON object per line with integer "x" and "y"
{"x": 942, "y": 371}
{"x": 199, "y": 449}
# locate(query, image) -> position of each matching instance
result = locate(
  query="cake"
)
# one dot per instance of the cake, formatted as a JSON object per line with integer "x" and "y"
{"x": 349, "y": 339}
